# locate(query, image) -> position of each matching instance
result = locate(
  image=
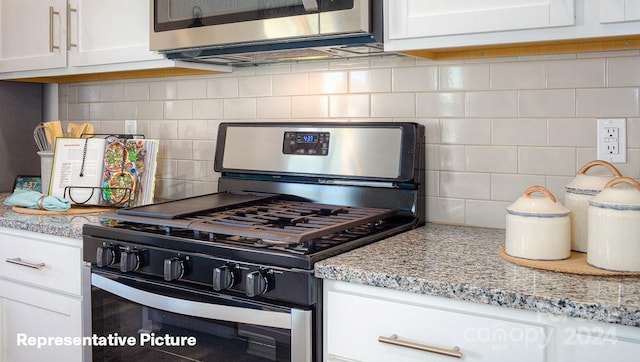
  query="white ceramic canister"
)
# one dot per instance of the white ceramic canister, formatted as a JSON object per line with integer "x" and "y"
{"x": 578, "y": 193}
{"x": 537, "y": 227}
{"x": 614, "y": 226}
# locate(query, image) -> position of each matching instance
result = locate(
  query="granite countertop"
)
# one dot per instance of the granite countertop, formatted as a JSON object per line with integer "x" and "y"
{"x": 455, "y": 262}
{"x": 462, "y": 263}
{"x": 69, "y": 226}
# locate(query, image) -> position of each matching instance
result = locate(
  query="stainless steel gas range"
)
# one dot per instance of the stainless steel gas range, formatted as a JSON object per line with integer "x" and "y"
{"x": 229, "y": 275}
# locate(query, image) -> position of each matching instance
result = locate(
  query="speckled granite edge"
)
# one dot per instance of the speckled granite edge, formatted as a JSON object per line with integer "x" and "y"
{"x": 462, "y": 263}
{"x": 496, "y": 297}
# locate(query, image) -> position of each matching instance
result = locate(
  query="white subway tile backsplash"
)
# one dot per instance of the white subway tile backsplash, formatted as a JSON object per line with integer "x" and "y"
{"x": 556, "y": 185}
{"x": 177, "y": 149}
{"x": 136, "y": 91}
{"x": 607, "y": 102}
{"x": 434, "y": 104}
{"x": 578, "y": 73}
{"x": 465, "y": 185}
{"x": 579, "y": 132}
{"x": 112, "y": 93}
{"x": 414, "y": 79}
{"x": 519, "y": 131}
{"x": 150, "y": 110}
{"x": 178, "y": 109}
{"x": 192, "y": 89}
{"x": 464, "y": 77}
{"x": 273, "y": 107}
{"x": 223, "y": 87}
{"x": 502, "y": 159}
{"x": 258, "y": 86}
{"x": 88, "y": 93}
{"x": 124, "y": 110}
{"x": 161, "y": 90}
{"x": 466, "y": 131}
{"x": 449, "y": 158}
{"x": 98, "y": 111}
{"x": 310, "y": 107}
{"x": 557, "y": 161}
{"x": 208, "y": 109}
{"x": 242, "y": 108}
{"x": 328, "y": 82}
{"x": 192, "y": 129}
{"x": 291, "y": 84}
{"x": 486, "y": 213}
{"x": 547, "y": 103}
{"x": 623, "y": 72}
{"x": 204, "y": 150}
{"x": 518, "y": 75}
{"x": 445, "y": 210}
{"x": 505, "y": 187}
{"x": 78, "y": 111}
{"x": 163, "y": 130}
{"x": 400, "y": 105}
{"x": 492, "y": 104}
{"x": 493, "y": 126}
{"x": 355, "y": 105}
{"x": 370, "y": 81}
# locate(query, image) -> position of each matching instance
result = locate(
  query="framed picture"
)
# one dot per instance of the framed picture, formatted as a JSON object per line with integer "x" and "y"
{"x": 29, "y": 183}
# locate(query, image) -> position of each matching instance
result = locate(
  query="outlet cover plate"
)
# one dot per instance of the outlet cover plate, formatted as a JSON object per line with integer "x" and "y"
{"x": 611, "y": 139}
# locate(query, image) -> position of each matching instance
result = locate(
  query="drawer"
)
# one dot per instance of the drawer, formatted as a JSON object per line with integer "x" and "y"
{"x": 355, "y": 323}
{"x": 58, "y": 265}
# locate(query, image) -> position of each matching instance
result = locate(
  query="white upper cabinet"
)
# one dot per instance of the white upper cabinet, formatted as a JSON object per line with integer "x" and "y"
{"x": 614, "y": 11}
{"x": 107, "y": 32}
{"x": 420, "y": 18}
{"x": 58, "y": 38}
{"x": 31, "y": 34}
{"x": 449, "y": 24}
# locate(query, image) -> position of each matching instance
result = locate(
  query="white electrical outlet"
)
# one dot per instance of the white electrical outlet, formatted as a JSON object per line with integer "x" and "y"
{"x": 612, "y": 140}
{"x": 130, "y": 126}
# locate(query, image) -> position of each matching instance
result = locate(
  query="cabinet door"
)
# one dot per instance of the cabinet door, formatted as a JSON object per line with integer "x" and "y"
{"x": 108, "y": 32}
{"x": 28, "y": 314}
{"x": 420, "y": 18}
{"x": 355, "y": 324}
{"x": 32, "y": 35}
{"x": 614, "y": 11}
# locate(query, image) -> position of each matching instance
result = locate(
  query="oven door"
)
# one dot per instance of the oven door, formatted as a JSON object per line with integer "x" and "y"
{"x": 134, "y": 320}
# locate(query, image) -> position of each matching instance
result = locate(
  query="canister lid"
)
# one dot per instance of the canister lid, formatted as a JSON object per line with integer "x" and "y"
{"x": 624, "y": 197}
{"x": 537, "y": 206}
{"x": 591, "y": 184}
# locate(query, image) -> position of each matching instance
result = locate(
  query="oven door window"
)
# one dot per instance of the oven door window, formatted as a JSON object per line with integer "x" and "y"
{"x": 181, "y": 14}
{"x": 161, "y": 335}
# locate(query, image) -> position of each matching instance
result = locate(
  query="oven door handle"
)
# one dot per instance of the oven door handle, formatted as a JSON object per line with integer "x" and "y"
{"x": 197, "y": 309}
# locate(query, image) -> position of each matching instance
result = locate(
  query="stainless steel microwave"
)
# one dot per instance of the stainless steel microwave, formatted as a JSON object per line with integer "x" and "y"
{"x": 217, "y": 31}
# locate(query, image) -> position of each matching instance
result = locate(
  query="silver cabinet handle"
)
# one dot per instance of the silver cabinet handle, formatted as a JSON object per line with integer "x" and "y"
{"x": 69, "y": 11}
{"x": 19, "y": 261}
{"x": 453, "y": 352}
{"x": 51, "y": 14}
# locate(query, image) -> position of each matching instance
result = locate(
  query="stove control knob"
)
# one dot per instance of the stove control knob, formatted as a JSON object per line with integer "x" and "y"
{"x": 224, "y": 277}
{"x": 129, "y": 260}
{"x": 174, "y": 269}
{"x": 106, "y": 255}
{"x": 257, "y": 283}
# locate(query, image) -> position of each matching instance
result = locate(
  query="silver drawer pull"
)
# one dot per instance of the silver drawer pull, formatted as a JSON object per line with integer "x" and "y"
{"x": 453, "y": 352}
{"x": 19, "y": 261}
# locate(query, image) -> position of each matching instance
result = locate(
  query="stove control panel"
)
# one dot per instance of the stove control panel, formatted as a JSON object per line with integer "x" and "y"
{"x": 306, "y": 143}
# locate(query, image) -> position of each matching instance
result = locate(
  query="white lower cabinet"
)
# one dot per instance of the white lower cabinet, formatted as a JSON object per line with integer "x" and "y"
{"x": 37, "y": 325}
{"x": 360, "y": 321}
{"x": 40, "y": 297}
